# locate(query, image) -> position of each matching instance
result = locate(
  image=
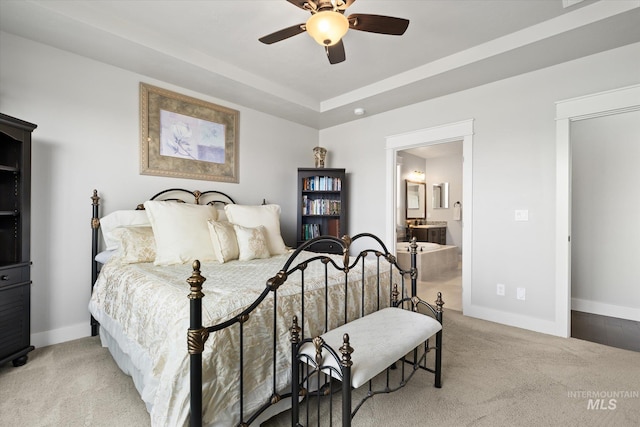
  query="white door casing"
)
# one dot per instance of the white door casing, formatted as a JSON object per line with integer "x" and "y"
{"x": 462, "y": 130}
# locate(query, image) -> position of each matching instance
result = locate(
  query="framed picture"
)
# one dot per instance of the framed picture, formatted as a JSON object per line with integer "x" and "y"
{"x": 184, "y": 137}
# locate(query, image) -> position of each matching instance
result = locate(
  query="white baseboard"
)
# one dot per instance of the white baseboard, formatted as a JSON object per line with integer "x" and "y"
{"x": 603, "y": 309}
{"x": 57, "y": 336}
{"x": 517, "y": 320}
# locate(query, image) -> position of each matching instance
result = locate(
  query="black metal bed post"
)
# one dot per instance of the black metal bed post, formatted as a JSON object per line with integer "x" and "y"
{"x": 414, "y": 269}
{"x": 196, "y": 337}
{"x": 95, "y": 226}
{"x": 345, "y": 364}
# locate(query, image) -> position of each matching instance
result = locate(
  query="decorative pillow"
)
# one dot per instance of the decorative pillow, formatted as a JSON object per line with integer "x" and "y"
{"x": 181, "y": 231}
{"x": 105, "y": 256}
{"x": 254, "y": 216}
{"x": 137, "y": 244}
{"x": 117, "y": 219}
{"x": 223, "y": 238}
{"x": 222, "y": 216}
{"x": 252, "y": 242}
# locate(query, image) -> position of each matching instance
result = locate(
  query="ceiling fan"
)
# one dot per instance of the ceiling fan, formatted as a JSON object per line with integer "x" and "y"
{"x": 327, "y": 25}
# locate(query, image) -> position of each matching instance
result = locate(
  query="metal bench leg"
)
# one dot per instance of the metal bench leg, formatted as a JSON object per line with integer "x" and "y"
{"x": 346, "y": 363}
{"x": 438, "y": 367}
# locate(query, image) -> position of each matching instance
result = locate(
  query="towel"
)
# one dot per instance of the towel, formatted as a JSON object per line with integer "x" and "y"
{"x": 457, "y": 214}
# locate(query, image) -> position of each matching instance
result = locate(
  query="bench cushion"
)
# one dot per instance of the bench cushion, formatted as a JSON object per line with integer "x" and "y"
{"x": 378, "y": 339}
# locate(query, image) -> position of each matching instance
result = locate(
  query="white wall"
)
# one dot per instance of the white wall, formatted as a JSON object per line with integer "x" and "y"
{"x": 88, "y": 137}
{"x": 513, "y": 168}
{"x": 605, "y": 226}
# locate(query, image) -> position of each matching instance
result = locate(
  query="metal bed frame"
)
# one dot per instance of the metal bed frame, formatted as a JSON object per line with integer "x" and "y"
{"x": 197, "y": 334}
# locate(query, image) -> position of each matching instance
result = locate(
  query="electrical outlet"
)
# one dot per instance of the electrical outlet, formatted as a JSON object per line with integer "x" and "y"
{"x": 520, "y": 294}
{"x": 500, "y": 289}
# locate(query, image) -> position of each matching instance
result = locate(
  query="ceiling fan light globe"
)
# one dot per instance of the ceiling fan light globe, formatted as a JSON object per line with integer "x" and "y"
{"x": 327, "y": 27}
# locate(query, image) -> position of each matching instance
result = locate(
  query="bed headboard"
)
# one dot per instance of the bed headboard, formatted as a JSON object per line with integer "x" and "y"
{"x": 210, "y": 197}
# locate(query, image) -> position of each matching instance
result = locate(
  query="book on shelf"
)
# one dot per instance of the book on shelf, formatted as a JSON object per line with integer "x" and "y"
{"x": 322, "y": 183}
{"x": 320, "y": 206}
{"x": 310, "y": 231}
{"x": 333, "y": 226}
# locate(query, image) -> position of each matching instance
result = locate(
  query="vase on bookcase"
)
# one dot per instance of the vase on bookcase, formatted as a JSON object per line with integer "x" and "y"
{"x": 319, "y": 154}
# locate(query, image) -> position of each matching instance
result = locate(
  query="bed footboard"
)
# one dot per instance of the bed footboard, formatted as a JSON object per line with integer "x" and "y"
{"x": 354, "y": 287}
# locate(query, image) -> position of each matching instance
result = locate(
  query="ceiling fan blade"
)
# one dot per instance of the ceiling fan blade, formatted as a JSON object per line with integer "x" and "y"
{"x": 345, "y": 4}
{"x": 378, "y": 24}
{"x": 301, "y": 4}
{"x": 285, "y": 33}
{"x": 336, "y": 53}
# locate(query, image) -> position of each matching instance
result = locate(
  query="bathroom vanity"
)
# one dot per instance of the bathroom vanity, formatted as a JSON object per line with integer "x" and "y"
{"x": 434, "y": 233}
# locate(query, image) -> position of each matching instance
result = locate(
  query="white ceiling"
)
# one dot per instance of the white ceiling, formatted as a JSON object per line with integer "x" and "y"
{"x": 212, "y": 47}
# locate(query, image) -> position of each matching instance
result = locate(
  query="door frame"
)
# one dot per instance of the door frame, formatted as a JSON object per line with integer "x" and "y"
{"x": 459, "y": 131}
{"x": 585, "y": 107}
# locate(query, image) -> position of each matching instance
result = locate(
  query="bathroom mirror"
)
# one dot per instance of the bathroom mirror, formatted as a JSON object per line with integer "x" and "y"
{"x": 416, "y": 200}
{"x": 441, "y": 195}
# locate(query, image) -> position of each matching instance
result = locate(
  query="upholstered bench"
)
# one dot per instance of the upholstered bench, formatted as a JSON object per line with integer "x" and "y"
{"x": 357, "y": 351}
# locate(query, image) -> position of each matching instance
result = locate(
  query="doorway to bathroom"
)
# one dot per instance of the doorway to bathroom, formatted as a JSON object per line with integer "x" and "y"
{"x": 440, "y": 158}
{"x": 437, "y": 169}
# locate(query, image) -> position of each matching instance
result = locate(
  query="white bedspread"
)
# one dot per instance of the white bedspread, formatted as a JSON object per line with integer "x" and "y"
{"x": 146, "y": 310}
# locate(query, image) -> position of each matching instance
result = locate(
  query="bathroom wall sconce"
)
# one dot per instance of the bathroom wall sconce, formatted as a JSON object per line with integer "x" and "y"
{"x": 417, "y": 176}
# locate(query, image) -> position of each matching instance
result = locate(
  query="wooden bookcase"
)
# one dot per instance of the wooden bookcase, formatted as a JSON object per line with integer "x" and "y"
{"x": 322, "y": 206}
{"x": 15, "y": 261}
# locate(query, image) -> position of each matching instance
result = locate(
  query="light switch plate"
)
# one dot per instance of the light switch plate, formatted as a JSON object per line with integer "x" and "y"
{"x": 522, "y": 215}
{"x": 520, "y": 294}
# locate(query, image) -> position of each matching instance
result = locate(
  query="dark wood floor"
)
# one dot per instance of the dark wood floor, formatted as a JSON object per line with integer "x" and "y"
{"x": 610, "y": 331}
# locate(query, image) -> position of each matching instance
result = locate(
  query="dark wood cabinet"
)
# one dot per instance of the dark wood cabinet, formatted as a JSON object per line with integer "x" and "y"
{"x": 431, "y": 234}
{"x": 322, "y": 206}
{"x": 15, "y": 258}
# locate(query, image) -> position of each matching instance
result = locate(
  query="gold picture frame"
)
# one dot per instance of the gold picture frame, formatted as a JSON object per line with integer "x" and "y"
{"x": 184, "y": 137}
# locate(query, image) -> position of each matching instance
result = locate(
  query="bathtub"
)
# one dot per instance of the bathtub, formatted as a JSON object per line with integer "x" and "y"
{"x": 432, "y": 259}
{"x": 422, "y": 246}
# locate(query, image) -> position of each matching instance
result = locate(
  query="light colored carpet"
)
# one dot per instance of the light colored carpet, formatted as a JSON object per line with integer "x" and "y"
{"x": 76, "y": 383}
{"x": 449, "y": 283}
{"x": 493, "y": 375}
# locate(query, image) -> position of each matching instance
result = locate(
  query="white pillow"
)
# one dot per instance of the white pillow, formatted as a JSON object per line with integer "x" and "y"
{"x": 254, "y": 216}
{"x": 181, "y": 231}
{"x": 137, "y": 244}
{"x": 223, "y": 238}
{"x": 252, "y": 242}
{"x": 117, "y": 219}
{"x": 105, "y": 256}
